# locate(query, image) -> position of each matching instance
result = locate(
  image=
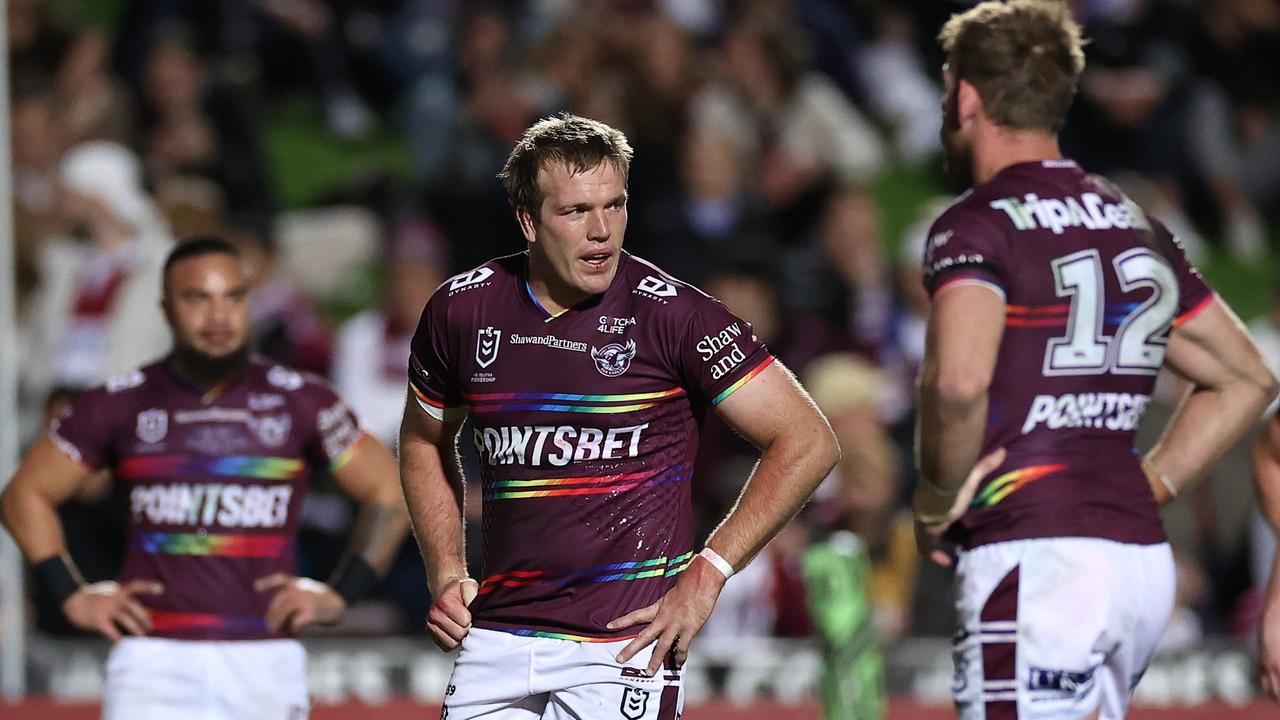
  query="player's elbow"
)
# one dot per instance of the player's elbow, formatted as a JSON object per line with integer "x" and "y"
{"x": 825, "y": 451}
{"x": 956, "y": 386}
{"x": 11, "y": 502}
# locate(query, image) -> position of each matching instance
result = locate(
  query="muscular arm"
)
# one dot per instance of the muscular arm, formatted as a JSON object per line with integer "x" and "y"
{"x": 776, "y": 415}
{"x": 1266, "y": 478}
{"x": 370, "y": 479}
{"x": 966, "y": 324}
{"x": 799, "y": 449}
{"x": 1231, "y": 387}
{"x": 47, "y": 478}
{"x": 434, "y": 487}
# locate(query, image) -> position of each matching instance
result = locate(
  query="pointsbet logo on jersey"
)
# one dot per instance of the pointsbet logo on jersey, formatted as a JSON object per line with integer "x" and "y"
{"x": 556, "y": 445}
{"x": 1089, "y": 211}
{"x": 1109, "y": 410}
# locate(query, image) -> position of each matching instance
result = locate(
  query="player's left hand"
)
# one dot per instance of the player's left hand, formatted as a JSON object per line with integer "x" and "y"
{"x": 677, "y": 616}
{"x": 929, "y": 535}
{"x": 1269, "y": 648}
{"x": 299, "y": 602}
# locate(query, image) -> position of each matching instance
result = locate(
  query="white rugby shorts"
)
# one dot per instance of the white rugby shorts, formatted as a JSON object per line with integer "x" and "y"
{"x": 503, "y": 676}
{"x": 1057, "y": 627}
{"x": 164, "y": 679}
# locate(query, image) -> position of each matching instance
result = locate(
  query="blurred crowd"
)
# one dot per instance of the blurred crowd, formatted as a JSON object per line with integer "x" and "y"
{"x": 768, "y": 134}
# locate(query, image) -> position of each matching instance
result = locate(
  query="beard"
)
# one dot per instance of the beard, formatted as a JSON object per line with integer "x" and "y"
{"x": 957, "y": 158}
{"x": 209, "y": 370}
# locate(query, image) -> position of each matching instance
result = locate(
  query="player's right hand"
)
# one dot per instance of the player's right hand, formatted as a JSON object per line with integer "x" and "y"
{"x": 1269, "y": 647}
{"x": 111, "y": 608}
{"x": 449, "y": 620}
{"x": 929, "y": 535}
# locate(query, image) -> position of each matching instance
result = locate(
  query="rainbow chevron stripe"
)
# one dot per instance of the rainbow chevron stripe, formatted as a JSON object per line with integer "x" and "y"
{"x": 742, "y": 381}
{"x": 595, "y": 485}
{"x": 163, "y": 621}
{"x": 214, "y": 545}
{"x": 1014, "y": 480}
{"x": 569, "y": 402}
{"x": 662, "y": 566}
{"x": 246, "y": 466}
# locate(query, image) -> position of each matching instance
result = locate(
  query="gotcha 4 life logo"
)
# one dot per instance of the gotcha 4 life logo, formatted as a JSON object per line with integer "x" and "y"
{"x": 613, "y": 359}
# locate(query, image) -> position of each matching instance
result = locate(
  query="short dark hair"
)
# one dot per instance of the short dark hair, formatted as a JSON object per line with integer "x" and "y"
{"x": 1024, "y": 57}
{"x": 198, "y": 246}
{"x": 580, "y": 143}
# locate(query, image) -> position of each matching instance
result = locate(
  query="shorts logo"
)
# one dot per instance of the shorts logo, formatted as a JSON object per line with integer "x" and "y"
{"x": 634, "y": 703}
{"x": 273, "y": 431}
{"x": 613, "y": 359}
{"x": 153, "y": 425}
{"x": 656, "y": 286}
{"x": 487, "y": 341}
{"x": 478, "y": 275}
{"x": 1065, "y": 682}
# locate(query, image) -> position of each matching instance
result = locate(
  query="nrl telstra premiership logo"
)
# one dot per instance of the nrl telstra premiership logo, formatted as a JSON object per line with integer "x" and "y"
{"x": 487, "y": 342}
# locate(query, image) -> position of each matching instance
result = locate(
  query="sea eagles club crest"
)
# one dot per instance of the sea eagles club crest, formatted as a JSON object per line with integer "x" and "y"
{"x": 487, "y": 341}
{"x": 613, "y": 359}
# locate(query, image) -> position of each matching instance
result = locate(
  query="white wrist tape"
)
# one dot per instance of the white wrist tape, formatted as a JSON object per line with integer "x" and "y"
{"x": 718, "y": 562}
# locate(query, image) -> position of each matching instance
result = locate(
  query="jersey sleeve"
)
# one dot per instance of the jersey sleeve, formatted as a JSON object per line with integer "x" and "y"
{"x": 719, "y": 353}
{"x": 1194, "y": 294}
{"x": 432, "y": 376}
{"x": 965, "y": 247}
{"x": 83, "y": 429}
{"x": 337, "y": 431}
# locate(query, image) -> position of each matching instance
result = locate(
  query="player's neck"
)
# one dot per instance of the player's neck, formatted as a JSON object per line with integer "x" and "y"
{"x": 554, "y": 297}
{"x": 204, "y": 372}
{"x": 998, "y": 148}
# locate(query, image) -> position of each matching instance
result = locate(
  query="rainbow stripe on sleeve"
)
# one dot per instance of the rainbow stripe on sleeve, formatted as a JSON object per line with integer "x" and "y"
{"x": 246, "y": 466}
{"x": 1199, "y": 308}
{"x": 742, "y": 381}
{"x": 569, "y": 402}
{"x": 592, "y": 485}
{"x": 346, "y": 455}
{"x": 214, "y": 545}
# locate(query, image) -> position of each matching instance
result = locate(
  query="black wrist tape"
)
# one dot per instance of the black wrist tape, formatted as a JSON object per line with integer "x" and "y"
{"x": 56, "y": 577}
{"x": 353, "y": 579}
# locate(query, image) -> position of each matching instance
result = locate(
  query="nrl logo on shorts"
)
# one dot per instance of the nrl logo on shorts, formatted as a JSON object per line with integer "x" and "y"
{"x": 153, "y": 425}
{"x": 273, "y": 431}
{"x": 634, "y": 703}
{"x": 613, "y": 359}
{"x": 487, "y": 342}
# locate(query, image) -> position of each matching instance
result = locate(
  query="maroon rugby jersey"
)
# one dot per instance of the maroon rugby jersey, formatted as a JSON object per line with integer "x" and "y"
{"x": 214, "y": 483}
{"x": 1092, "y": 288}
{"x": 586, "y": 424}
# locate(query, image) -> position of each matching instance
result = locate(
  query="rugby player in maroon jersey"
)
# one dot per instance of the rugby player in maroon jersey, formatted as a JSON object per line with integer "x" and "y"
{"x": 214, "y": 449}
{"x": 1056, "y": 300}
{"x": 586, "y": 372}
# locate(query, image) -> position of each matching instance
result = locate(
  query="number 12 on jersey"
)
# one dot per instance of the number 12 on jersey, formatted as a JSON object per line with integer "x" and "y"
{"x": 1138, "y": 345}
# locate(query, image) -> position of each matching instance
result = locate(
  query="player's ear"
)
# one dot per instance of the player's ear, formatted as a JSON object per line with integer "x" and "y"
{"x": 968, "y": 102}
{"x": 527, "y": 225}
